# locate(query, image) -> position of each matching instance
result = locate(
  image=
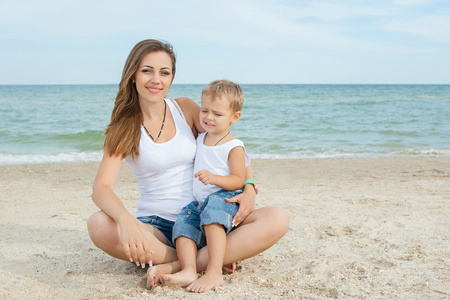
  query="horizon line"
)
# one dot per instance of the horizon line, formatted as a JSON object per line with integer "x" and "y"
{"x": 74, "y": 84}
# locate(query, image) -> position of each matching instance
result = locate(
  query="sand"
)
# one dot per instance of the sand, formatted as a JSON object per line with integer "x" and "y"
{"x": 360, "y": 228}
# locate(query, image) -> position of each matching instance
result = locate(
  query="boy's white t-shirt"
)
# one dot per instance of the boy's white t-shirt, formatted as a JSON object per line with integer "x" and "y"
{"x": 215, "y": 160}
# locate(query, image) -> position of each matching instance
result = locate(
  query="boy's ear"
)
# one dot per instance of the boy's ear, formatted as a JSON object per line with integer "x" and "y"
{"x": 236, "y": 117}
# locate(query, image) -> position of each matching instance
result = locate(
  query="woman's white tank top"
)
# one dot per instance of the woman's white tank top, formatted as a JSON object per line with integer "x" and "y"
{"x": 165, "y": 171}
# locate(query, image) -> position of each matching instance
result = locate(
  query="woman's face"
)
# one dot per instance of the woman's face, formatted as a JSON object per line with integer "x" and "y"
{"x": 154, "y": 77}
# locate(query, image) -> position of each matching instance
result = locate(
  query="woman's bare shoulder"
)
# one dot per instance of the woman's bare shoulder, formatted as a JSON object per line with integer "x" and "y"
{"x": 187, "y": 104}
{"x": 191, "y": 111}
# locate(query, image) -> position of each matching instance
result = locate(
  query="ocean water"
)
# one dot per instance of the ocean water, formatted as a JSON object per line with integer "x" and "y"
{"x": 65, "y": 123}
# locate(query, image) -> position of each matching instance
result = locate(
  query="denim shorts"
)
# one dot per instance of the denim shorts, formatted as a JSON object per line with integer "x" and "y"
{"x": 163, "y": 225}
{"x": 214, "y": 210}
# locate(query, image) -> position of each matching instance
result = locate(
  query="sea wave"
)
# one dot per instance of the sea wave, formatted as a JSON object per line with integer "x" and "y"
{"x": 96, "y": 156}
{"x": 336, "y": 153}
{"x": 424, "y": 152}
{"x": 18, "y": 159}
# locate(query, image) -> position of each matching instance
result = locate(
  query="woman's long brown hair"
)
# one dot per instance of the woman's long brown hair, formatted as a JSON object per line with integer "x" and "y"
{"x": 124, "y": 131}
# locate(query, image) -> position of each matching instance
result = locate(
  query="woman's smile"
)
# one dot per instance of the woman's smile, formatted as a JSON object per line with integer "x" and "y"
{"x": 154, "y": 90}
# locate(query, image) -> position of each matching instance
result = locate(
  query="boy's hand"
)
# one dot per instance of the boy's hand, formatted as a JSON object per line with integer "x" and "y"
{"x": 205, "y": 176}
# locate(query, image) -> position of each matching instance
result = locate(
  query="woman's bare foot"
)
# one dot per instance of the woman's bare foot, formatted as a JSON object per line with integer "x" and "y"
{"x": 229, "y": 269}
{"x": 182, "y": 278}
{"x": 205, "y": 283}
{"x": 154, "y": 274}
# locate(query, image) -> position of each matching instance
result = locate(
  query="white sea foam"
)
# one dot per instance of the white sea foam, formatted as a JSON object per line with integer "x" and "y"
{"x": 341, "y": 154}
{"x": 16, "y": 159}
{"x": 425, "y": 152}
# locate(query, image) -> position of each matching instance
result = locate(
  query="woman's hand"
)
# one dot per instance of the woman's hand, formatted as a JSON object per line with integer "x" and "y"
{"x": 246, "y": 202}
{"x": 135, "y": 242}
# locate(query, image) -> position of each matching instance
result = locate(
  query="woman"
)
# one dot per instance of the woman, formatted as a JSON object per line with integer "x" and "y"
{"x": 156, "y": 136}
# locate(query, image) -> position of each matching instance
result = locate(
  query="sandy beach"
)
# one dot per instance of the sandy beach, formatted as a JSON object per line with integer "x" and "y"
{"x": 360, "y": 228}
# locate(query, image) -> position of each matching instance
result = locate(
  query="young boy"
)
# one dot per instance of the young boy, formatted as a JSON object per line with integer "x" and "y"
{"x": 219, "y": 170}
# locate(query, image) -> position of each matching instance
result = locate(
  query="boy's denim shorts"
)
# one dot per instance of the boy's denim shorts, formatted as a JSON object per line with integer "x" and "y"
{"x": 214, "y": 210}
{"x": 163, "y": 225}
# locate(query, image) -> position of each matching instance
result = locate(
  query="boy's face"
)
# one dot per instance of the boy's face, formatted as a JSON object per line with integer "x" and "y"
{"x": 217, "y": 116}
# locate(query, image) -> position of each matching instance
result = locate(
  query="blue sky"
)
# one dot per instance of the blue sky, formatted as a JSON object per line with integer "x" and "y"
{"x": 251, "y": 41}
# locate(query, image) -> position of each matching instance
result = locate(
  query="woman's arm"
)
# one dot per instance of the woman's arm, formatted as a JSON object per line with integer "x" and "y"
{"x": 135, "y": 244}
{"x": 102, "y": 191}
{"x": 246, "y": 200}
{"x": 191, "y": 112}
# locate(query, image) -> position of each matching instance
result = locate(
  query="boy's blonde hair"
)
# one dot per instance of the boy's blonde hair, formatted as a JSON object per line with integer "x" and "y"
{"x": 228, "y": 89}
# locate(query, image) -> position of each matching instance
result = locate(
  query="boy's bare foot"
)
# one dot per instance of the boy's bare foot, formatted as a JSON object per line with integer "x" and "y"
{"x": 154, "y": 274}
{"x": 206, "y": 282}
{"x": 182, "y": 278}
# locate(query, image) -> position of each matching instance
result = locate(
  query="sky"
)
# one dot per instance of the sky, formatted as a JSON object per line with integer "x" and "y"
{"x": 247, "y": 41}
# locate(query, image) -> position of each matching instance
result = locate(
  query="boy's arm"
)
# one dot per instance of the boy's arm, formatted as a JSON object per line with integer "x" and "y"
{"x": 234, "y": 181}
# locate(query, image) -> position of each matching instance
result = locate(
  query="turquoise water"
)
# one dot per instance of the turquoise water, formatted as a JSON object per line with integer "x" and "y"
{"x": 53, "y": 123}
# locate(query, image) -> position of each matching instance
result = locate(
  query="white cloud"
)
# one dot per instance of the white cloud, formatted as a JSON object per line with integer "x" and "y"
{"x": 252, "y": 31}
{"x": 435, "y": 28}
{"x": 333, "y": 10}
{"x": 410, "y": 2}
{"x": 252, "y": 24}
